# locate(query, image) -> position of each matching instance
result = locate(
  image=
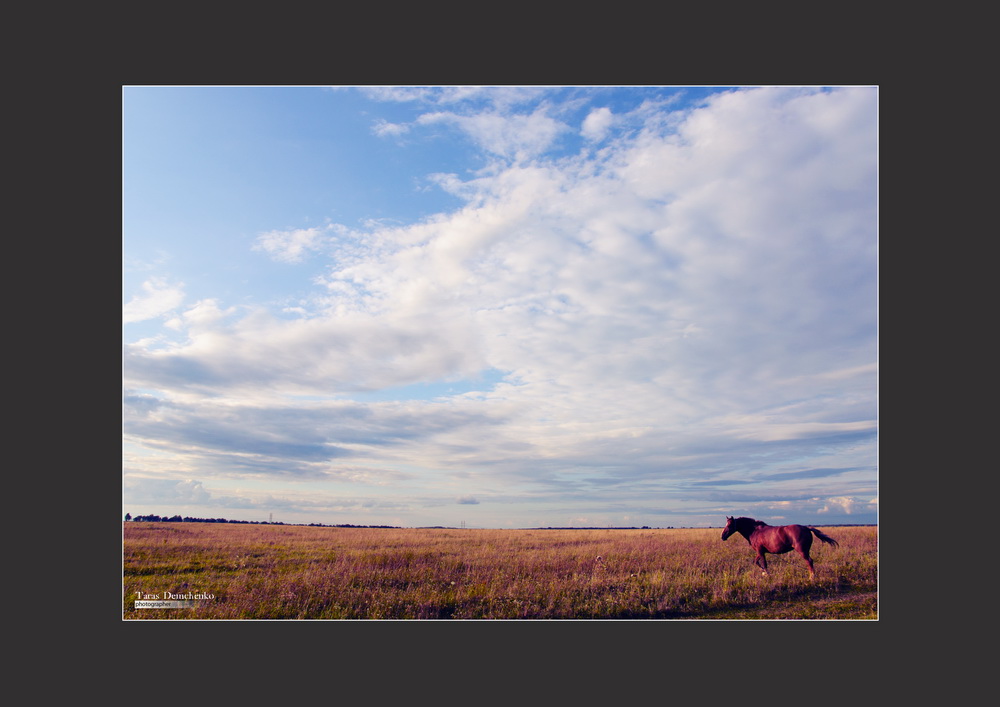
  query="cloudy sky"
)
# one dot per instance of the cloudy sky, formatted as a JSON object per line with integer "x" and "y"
{"x": 500, "y": 306}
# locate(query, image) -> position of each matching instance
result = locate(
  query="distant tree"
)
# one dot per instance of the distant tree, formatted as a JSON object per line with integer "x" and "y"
{"x": 128, "y": 516}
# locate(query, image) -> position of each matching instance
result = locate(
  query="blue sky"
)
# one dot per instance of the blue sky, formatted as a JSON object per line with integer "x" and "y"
{"x": 500, "y": 306}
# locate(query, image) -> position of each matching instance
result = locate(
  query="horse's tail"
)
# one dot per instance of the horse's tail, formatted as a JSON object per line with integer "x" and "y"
{"x": 824, "y": 537}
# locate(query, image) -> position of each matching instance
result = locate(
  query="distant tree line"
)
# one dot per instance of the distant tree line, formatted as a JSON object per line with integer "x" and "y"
{"x": 188, "y": 519}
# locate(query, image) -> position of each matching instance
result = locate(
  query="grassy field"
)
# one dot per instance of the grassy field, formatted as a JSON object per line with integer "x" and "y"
{"x": 304, "y": 572}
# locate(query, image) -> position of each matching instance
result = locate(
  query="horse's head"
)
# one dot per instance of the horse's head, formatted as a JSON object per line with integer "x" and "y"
{"x": 729, "y": 529}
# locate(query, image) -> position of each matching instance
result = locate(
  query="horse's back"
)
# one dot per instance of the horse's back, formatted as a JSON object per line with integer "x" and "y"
{"x": 782, "y": 538}
{"x": 800, "y": 532}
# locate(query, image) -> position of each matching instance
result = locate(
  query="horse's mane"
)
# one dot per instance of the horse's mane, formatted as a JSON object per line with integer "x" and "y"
{"x": 753, "y": 522}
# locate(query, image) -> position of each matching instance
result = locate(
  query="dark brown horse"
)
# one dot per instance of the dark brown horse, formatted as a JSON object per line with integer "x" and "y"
{"x": 776, "y": 539}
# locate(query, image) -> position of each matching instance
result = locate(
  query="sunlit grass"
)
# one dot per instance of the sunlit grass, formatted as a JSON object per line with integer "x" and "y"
{"x": 303, "y": 572}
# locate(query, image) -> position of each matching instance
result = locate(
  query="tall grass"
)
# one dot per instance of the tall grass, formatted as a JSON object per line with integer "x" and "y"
{"x": 303, "y": 572}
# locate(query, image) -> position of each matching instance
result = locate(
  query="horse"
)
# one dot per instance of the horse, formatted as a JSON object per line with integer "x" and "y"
{"x": 777, "y": 539}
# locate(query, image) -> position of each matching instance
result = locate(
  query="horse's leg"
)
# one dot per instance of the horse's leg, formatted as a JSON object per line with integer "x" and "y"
{"x": 803, "y": 547}
{"x": 761, "y": 562}
{"x": 809, "y": 563}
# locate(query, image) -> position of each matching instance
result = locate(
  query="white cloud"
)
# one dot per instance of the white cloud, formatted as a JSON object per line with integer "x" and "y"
{"x": 158, "y": 298}
{"x": 845, "y": 504}
{"x": 597, "y": 123}
{"x": 498, "y": 97}
{"x": 653, "y": 268}
{"x": 515, "y": 137}
{"x": 166, "y": 491}
{"x": 290, "y": 246}
{"x": 383, "y": 128}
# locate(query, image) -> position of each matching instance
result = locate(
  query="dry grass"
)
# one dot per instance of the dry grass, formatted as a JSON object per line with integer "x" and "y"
{"x": 302, "y": 572}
